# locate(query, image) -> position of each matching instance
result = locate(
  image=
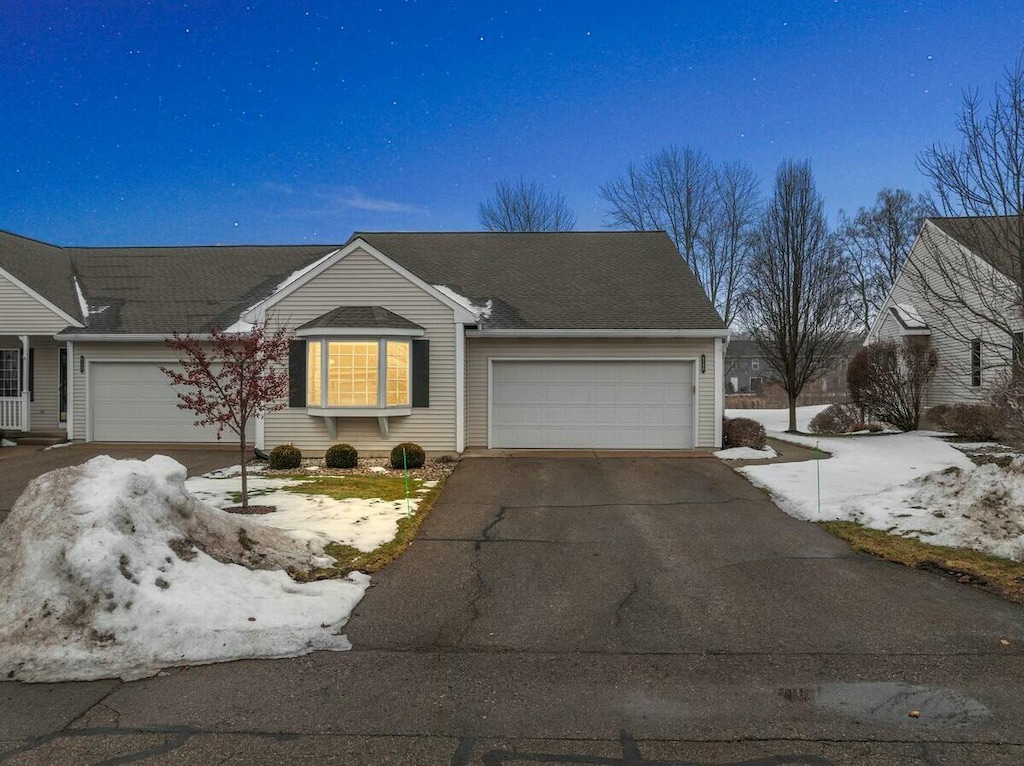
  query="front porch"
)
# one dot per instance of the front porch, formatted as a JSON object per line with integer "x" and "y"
{"x": 33, "y": 385}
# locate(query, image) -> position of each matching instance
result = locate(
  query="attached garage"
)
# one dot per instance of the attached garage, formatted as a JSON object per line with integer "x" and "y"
{"x": 592, "y": 403}
{"x": 134, "y": 402}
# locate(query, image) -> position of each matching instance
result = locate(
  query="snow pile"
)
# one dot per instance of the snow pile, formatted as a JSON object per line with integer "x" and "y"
{"x": 7, "y": 443}
{"x": 112, "y": 568}
{"x": 746, "y": 453}
{"x": 912, "y": 484}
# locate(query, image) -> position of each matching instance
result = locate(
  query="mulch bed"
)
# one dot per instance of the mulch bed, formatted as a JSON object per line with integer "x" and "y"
{"x": 252, "y": 510}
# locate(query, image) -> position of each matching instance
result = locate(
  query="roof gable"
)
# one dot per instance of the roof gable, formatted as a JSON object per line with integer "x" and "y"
{"x": 42, "y": 271}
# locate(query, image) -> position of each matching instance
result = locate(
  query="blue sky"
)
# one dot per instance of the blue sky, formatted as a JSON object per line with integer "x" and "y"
{"x": 127, "y": 122}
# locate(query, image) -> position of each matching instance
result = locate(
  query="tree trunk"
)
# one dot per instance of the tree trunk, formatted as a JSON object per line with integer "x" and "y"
{"x": 792, "y": 413}
{"x": 245, "y": 475}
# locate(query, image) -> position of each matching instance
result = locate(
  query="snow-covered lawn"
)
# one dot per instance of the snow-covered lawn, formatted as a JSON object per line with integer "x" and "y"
{"x": 914, "y": 484}
{"x": 122, "y": 567}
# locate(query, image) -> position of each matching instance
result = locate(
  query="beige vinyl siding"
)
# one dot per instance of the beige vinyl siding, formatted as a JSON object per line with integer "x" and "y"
{"x": 93, "y": 351}
{"x": 44, "y": 407}
{"x": 360, "y": 279}
{"x": 949, "y": 328}
{"x": 479, "y": 350}
{"x": 21, "y": 314}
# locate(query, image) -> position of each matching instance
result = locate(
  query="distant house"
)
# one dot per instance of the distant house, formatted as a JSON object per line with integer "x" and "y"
{"x": 747, "y": 372}
{"x": 956, "y": 293}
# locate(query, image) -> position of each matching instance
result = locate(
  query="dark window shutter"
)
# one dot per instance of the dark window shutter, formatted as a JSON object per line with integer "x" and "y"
{"x": 32, "y": 374}
{"x": 421, "y": 373}
{"x": 297, "y": 374}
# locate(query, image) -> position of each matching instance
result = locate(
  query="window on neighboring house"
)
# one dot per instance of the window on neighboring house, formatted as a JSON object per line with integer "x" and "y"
{"x": 1017, "y": 353}
{"x": 755, "y": 385}
{"x": 976, "y": 362}
{"x": 365, "y": 374}
{"x": 10, "y": 372}
{"x": 755, "y": 364}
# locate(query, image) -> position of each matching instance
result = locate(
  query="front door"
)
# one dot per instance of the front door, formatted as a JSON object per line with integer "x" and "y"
{"x": 62, "y": 384}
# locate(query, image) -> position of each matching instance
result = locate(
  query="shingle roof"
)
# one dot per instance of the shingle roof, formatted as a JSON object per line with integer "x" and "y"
{"x": 183, "y": 289}
{"x": 564, "y": 280}
{"x": 361, "y": 317}
{"x": 42, "y": 267}
{"x": 995, "y": 239}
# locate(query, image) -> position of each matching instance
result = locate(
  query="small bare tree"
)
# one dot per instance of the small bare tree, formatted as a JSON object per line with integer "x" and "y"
{"x": 890, "y": 379}
{"x": 980, "y": 184}
{"x": 876, "y": 243}
{"x": 708, "y": 212}
{"x": 232, "y": 379}
{"x": 796, "y": 304}
{"x": 522, "y": 206}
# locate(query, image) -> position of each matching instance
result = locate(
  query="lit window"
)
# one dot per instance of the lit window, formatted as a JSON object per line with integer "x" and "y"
{"x": 313, "y": 373}
{"x": 398, "y": 373}
{"x": 373, "y": 374}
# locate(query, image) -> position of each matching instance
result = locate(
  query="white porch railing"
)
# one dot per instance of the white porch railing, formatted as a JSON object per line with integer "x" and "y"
{"x": 12, "y": 412}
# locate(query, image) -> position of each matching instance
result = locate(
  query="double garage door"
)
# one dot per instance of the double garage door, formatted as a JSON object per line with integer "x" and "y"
{"x": 600, "y": 404}
{"x": 134, "y": 402}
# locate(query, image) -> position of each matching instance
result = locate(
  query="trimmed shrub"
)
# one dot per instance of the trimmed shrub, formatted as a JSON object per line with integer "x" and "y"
{"x": 837, "y": 419}
{"x": 978, "y": 422}
{"x": 341, "y": 456}
{"x": 414, "y": 456}
{"x": 938, "y": 414}
{"x": 285, "y": 456}
{"x": 743, "y": 432}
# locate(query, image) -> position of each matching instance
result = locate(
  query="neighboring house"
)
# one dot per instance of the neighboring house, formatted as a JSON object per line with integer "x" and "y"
{"x": 955, "y": 277}
{"x": 747, "y": 372}
{"x": 580, "y": 339}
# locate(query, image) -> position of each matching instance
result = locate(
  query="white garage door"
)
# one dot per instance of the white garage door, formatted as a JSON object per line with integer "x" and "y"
{"x": 592, "y": 404}
{"x": 134, "y": 402}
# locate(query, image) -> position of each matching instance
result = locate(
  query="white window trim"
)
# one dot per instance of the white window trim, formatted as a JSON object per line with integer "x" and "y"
{"x": 18, "y": 352}
{"x": 383, "y": 409}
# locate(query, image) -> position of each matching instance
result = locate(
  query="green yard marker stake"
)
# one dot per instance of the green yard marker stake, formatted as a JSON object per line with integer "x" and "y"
{"x": 405, "y": 464}
{"x": 817, "y": 467}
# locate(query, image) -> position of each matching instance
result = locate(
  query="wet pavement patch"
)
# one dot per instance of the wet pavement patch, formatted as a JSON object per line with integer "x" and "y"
{"x": 897, "y": 703}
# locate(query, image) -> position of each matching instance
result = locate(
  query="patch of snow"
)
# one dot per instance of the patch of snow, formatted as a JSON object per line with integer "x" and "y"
{"x": 378, "y": 469}
{"x": 296, "y": 275}
{"x": 746, "y": 453}
{"x": 112, "y": 568}
{"x": 480, "y": 311}
{"x": 241, "y": 327}
{"x": 909, "y": 316}
{"x": 57, "y": 446}
{"x": 7, "y": 443}
{"x": 83, "y": 304}
{"x": 364, "y": 524}
{"x": 778, "y": 419}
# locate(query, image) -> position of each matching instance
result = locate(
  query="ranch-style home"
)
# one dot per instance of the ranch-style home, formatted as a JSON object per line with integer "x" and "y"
{"x": 452, "y": 340}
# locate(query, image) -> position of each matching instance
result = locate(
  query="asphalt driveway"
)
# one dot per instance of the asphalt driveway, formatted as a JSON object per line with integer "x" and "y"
{"x": 573, "y": 610}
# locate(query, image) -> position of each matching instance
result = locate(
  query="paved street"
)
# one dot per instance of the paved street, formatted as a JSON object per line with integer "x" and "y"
{"x": 585, "y": 611}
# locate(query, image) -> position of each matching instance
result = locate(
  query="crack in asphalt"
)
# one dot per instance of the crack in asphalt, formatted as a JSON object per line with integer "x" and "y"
{"x": 621, "y": 605}
{"x": 481, "y": 583}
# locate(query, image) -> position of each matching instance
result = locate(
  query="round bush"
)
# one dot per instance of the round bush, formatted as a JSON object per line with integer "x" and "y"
{"x": 341, "y": 456}
{"x": 743, "y": 432}
{"x": 285, "y": 456}
{"x": 977, "y": 422}
{"x": 414, "y": 456}
{"x": 837, "y": 419}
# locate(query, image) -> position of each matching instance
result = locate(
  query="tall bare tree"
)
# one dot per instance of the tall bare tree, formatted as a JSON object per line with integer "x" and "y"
{"x": 980, "y": 181}
{"x": 522, "y": 206}
{"x": 708, "y": 212}
{"x": 796, "y": 304}
{"x": 876, "y": 243}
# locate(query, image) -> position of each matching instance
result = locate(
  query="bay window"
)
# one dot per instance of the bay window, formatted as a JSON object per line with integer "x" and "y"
{"x": 358, "y": 373}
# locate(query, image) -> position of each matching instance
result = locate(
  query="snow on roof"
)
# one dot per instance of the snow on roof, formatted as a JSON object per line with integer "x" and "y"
{"x": 481, "y": 311}
{"x": 301, "y": 272}
{"x": 909, "y": 316}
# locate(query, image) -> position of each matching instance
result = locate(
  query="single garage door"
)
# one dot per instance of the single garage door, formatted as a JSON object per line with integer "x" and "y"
{"x": 134, "y": 402}
{"x": 592, "y": 404}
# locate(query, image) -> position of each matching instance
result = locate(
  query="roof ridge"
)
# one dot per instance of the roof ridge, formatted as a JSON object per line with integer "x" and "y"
{"x": 32, "y": 239}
